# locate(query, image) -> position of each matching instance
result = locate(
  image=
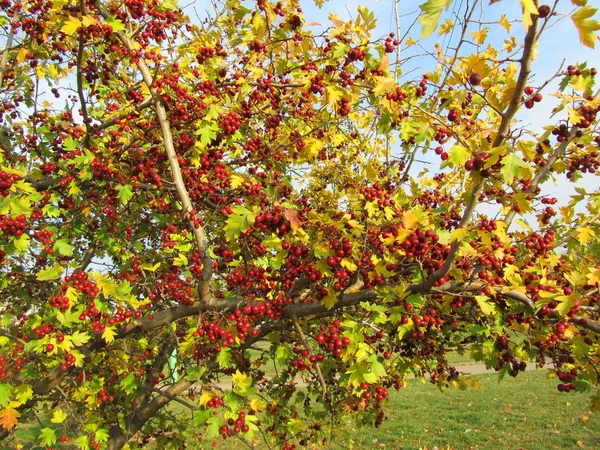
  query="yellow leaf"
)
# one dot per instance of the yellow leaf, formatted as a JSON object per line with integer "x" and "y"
{"x": 241, "y": 380}
{"x": 585, "y": 234}
{"x": 459, "y": 234}
{"x": 586, "y": 26}
{"x": 575, "y": 116}
{"x": 109, "y": 334}
{"x": 329, "y": 300}
{"x": 528, "y": 9}
{"x": 257, "y": 404}
{"x": 384, "y": 85}
{"x": 593, "y": 276}
{"x": 504, "y": 22}
{"x": 480, "y": 36}
{"x": 206, "y": 397}
{"x": 409, "y": 219}
{"x": 151, "y": 268}
{"x": 70, "y": 27}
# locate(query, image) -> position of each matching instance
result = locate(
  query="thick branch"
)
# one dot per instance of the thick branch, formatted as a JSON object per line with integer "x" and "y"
{"x": 9, "y": 41}
{"x": 184, "y": 197}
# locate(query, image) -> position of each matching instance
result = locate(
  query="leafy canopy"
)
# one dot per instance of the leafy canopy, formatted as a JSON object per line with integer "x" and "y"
{"x": 247, "y": 227}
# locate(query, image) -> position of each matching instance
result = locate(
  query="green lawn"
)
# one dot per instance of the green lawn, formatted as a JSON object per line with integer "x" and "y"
{"x": 522, "y": 413}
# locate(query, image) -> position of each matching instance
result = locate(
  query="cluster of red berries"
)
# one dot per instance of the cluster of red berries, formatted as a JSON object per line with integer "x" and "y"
{"x": 6, "y": 181}
{"x": 533, "y": 99}
{"x": 391, "y": 43}
{"x": 60, "y": 302}
{"x": 588, "y": 163}
{"x": 316, "y": 85}
{"x": 330, "y": 338}
{"x": 230, "y": 123}
{"x": 343, "y": 106}
{"x": 13, "y": 227}
{"x": 566, "y": 378}
{"x": 422, "y": 89}
{"x": 257, "y": 46}
{"x": 397, "y": 96}
{"x": 204, "y": 54}
{"x": 69, "y": 361}
{"x": 234, "y": 425}
{"x": 80, "y": 281}
{"x": 355, "y": 54}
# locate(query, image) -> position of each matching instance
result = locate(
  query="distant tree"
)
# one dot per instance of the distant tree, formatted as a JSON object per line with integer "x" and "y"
{"x": 196, "y": 217}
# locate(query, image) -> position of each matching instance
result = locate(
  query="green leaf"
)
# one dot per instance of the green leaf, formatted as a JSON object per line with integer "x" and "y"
{"x": 63, "y": 247}
{"x": 511, "y": 167}
{"x": 5, "y": 394}
{"x": 430, "y": 17}
{"x": 195, "y": 373}
{"x": 201, "y": 416}
{"x": 458, "y": 155}
{"x": 125, "y": 193}
{"x": 51, "y": 273}
{"x": 47, "y": 436}
{"x": 24, "y": 393}
{"x": 238, "y": 222}
{"x": 180, "y": 260}
{"x": 58, "y": 416}
{"x": 116, "y": 25}
{"x": 70, "y": 26}
{"x": 79, "y": 338}
{"x": 129, "y": 383}
{"x": 486, "y": 306}
{"x": 207, "y": 132}
{"x": 224, "y": 357}
{"x": 586, "y": 26}
{"x": 21, "y": 243}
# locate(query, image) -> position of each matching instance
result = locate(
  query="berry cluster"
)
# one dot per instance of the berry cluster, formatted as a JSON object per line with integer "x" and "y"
{"x": 13, "y": 227}
{"x": 230, "y": 123}
{"x": 6, "y": 181}
{"x": 204, "y": 54}
{"x": 329, "y": 338}
{"x": 391, "y": 43}
{"x": 343, "y": 106}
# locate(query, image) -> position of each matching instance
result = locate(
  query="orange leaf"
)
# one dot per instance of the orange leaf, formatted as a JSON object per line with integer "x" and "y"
{"x": 292, "y": 216}
{"x": 8, "y": 418}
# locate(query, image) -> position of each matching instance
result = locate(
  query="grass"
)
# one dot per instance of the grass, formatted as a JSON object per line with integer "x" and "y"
{"x": 522, "y": 413}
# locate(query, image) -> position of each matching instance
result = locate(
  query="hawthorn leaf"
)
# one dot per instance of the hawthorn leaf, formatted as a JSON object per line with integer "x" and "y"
{"x": 201, "y": 416}
{"x": 8, "y": 418}
{"x": 487, "y": 307}
{"x": 586, "y": 26}
{"x": 241, "y": 380}
{"x": 511, "y": 167}
{"x": 58, "y": 416}
{"x": 256, "y": 404}
{"x": 585, "y": 235}
{"x": 50, "y": 273}
{"x": 23, "y": 393}
{"x": 124, "y": 193}
{"x": 63, "y": 247}
{"x": 129, "y": 383}
{"x": 109, "y": 334}
{"x": 458, "y": 155}
{"x": 47, "y": 436}
{"x": 79, "y": 338}
{"x": 430, "y": 16}
{"x": 5, "y": 394}
{"x": 295, "y": 426}
{"x": 70, "y": 27}
{"x": 224, "y": 357}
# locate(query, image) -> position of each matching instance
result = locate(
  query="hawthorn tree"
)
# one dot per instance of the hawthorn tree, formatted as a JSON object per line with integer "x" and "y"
{"x": 216, "y": 228}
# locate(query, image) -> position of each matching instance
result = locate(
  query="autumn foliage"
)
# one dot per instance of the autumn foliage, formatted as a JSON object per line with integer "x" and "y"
{"x": 223, "y": 228}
